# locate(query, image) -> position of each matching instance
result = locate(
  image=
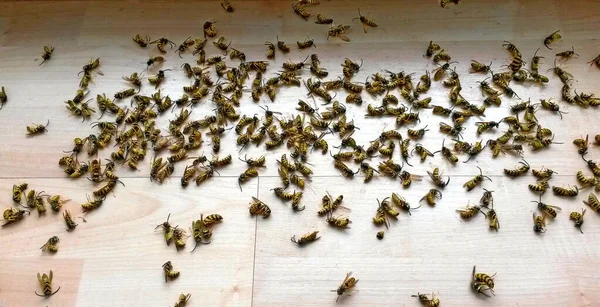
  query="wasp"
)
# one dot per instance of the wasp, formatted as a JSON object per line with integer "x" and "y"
{"x": 539, "y": 223}
{"x": 3, "y": 97}
{"x": 551, "y": 106}
{"x": 565, "y": 192}
{"x": 339, "y": 222}
{"x": 593, "y": 202}
{"x": 306, "y": 238}
{"x": 447, "y": 153}
{"x": 141, "y": 41}
{"x": 471, "y": 184}
{"x": 426, "y": 301}
{"x": 577, "y": 218}
{"x": 582, "y": 145}
{"x": 323, "y": 20}
{"x": 257, "y": 207}
{"x": 540, "y": 186}
{"x": 47, "y": 54}
{"x": 51, "y": 245}
{"x": 157, "y": 79}
{"x": 161, "y": 43}
{"x": 12, "y": 215}
{"x": 365, "y": 21}
{"x": 436, "y": 177}
{"x": 249, "y": 173}
{"x": 220, "y": 44}
{"x": 69, "y": 220}
{"x": 431, "y": 196}
{"x": 588, "y": 181}
{"x": 17, "y": 192}
{"x": 182, "y": 300}
{"x": 347, "y": 285}
{"x": 307, "y": 43}
{"x": 46, "y": 284}
{"x": 543, "y": 173}
{"x": 487, "y": 199}
{"x": 547, "y": 209}
{"x": 226, "y": 5}
{"x": 170, "y": 273}
{"x": 36, "y": 129}
{"x": 92, "y": 204}
{"x": 518, "y": 171}
{"x": 209, "y": 28}
{"x": 455, "y": 130}
{"x": 432, "y": 48}
{"x": 481, "y": 282}
{"x": 338, "y": 31}
{"x": 478, "y": 67}
{"x": 442, "y": 56}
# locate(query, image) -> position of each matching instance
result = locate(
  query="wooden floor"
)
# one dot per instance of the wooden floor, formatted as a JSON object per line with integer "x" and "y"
{"x": 115, "y": 258}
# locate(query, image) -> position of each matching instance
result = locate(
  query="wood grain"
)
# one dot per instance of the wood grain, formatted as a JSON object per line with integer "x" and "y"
{"x": 115, "y": 258}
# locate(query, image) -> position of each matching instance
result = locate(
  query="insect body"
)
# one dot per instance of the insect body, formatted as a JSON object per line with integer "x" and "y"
{"x": 551, "y": 39}
{"x": 565, "y": 192}
{"x": 347, "y": 285}
{"x": 37, "y": 129}
{"x": 183, "y": 299}
{"x": 69, "y": 220}
{"x": 365, "y": 21}
{"x": 47, "y": 54}
{"x": 307, "y": 238}
{"x": 46, "y": 284}
{"x": 577, "y": 218}
{"x": 522, "y": 170}
{"x": 469, "y": 211}
{"x": 539, "y": 223}
{"x": 471, "y": 184}
{"x": 170, "y": 274}
{"x": 426, "y": 301}
{"x": 51, "y": 245}
{"x": 547, "y": 209}
{"x": 481, "y": 282}
{"x": 257, "y": 207}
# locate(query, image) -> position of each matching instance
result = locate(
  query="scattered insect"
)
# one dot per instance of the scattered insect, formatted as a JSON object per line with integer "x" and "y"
{"x": 300, "y": 11}
{"x": 227, "y": 6}
{"x": 431, "y": 196}
{"x": 3, "y": 98}
{"x": 539, "y": 223}
{"x": 324, "y": 20}
{"x": 567, "y": 54}
{"x": 469, "y": 211}
{"x": 257, "y": 207}
{"x": 347, "y": 285}
{"x": 493, "y": 217}
{"x": 471, "y": 184}
{"x": 552, "y": 38}
{"x": 481, "y": 282}
{"x": 307, "y": 238}
{"x": 51, "y": 245}
{"x": 519, "y": 171}
{"x": 547, "y": 209}
{"x": 161, "y": 43}
{"x": 141, "y": 41}
{"x": 426, "y": 301}
{"x": 565, "y": 192}
{"x": 365, "y": 21}
{"x": 577, "y": 218}
{"x": 47, "y": 54}
{"x": 306, "y": 43}
{"x": 436, "y": 177}
{"x": 478, "y": 67}
{"x": 182, "y": 300}
{"x": 432, "y": 48}
{"x": 37, "y": 129}
{"x": 380, "y": 234}
{"x": 593, "y": 202}
{"x": 170, "y": 274}
{"x": 46, "y": 284}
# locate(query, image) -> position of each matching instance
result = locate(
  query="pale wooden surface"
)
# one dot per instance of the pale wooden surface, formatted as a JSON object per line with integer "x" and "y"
{"x": 115, "y": 258}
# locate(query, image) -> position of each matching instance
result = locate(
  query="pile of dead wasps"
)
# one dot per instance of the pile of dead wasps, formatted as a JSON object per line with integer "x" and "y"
{"x": 134, "y": 131}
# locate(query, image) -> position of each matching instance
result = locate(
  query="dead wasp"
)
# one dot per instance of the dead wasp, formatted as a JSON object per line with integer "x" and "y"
{"x": 478, "y": 67}
{"x": 3, "y": 98}
{"x": 426, "y": 301}
{"x": 422, "y": 152}
{"x": 432, "y": 48}
{"x": 307, "y": 43}
{"x": 236, "y": 54}
{"x": 141, "y": 41}
{"x": 323, "y": 20}
{"x": 455, "y": 130}
{"x": 447, "y": 153}
{"x": 157, "y": 79}
{"x": 551, "y": 106}
{"x": 543, "y": 173}
{"x": 399, "y": 201}
{"x": 586, "y": 181}
{"x": 17, "y": 192}
{"x": 596, "y": 61}
{"x": 436, "y": 177}
{"x": 471, "y": 184}
{"x": 519, "y": 171}
{"x": 469, "y": 211}
{"x": 552, "y": 38}
{"x": 226, "y": 5}
{"x": 593, "y": 202}
{"x": 220, "y": 44}
{"x": 12, "y": 215}
{"x": 257, "y": 207}
{"x": 182, "y": 300}
{"x": 481, "y": 282}
{"x": 582, "y": 145}
{"x": 577, "y": 218}
{"x": 442, "y": 56}
{"x": 92, "y": 204}
{"x": 565, "y": 192}
{"x": 547, "y": 209}
{"x": 134, "y": 79}
{"x": 368, "y": 170}
{"x": 179, "y": 238}
{"x": 51, "y": 245}
{"x": 69, "y": 220}
{"x": 441, "y": 70}
{"x": 209, "y": 28}
{"x": 125, "y": 93}
{"x": 46, "y": 284}
{"x": 306, "y": 238}
{"x": 338, "y": 31}
{"x": 539, "y": 223}
{"x": 365, "y": 21}
{"x": 300, "y": 11}
{"x": 540, "y": 186}
{"x": 487, "y": 199}
{"x": 170, "y": 273}
{"x": 347, "y": 285}
{"x": 36, "y": 129}
{"x": 431, "y": 196}
{"x": 47, "y": 54}
{"x": 161, "y": 43}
